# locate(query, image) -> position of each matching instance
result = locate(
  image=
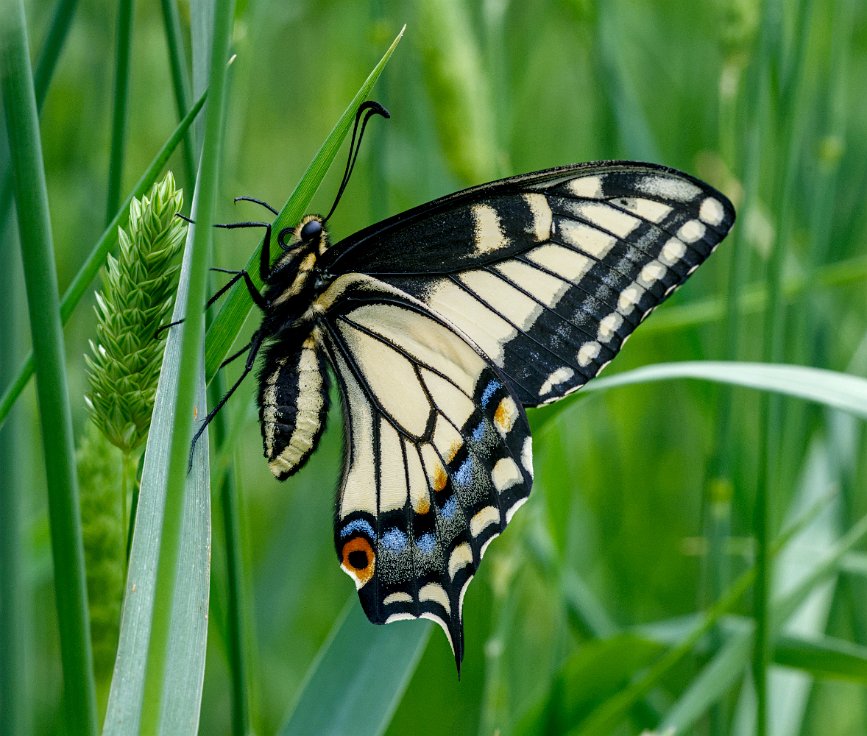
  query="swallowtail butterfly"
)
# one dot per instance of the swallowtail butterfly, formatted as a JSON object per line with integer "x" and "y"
{"x": 441, "y": 325}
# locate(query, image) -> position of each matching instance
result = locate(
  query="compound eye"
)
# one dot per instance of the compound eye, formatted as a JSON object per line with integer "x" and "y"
{"x": 311, "y": 230}
{"x": 282, "y": 238}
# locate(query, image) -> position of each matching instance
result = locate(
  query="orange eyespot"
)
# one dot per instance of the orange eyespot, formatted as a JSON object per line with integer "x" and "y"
{"x": 358, "y": 560}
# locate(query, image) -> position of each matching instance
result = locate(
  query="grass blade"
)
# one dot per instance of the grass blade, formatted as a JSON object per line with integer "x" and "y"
{"x": 183, "y": 683}
{"x": 37, "y": 253}
{"x": 161, "y": 660}
{"x": 835, "y": 390}
{"x": 824, "y": 657}
{"x": 359, "y": 676}
{"x": 120, "y": 112}
{"x": 97, "y": 254}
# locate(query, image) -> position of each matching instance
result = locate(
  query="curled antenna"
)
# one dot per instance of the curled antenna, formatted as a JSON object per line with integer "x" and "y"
{"x": 365, "y": 111}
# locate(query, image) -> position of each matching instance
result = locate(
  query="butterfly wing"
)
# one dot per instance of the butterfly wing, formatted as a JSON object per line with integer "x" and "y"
{"x": 547, "y": 273}
{"x": 438, "y": 453}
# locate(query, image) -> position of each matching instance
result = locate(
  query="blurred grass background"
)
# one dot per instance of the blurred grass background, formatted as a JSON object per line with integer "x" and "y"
{"x": 644, "y": 510}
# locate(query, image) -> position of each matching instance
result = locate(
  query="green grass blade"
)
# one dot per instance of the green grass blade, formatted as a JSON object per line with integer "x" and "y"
{"x": 359, "y": 676}
{"x": 235, "y": 309}
{"x": 712, "y": 683}
{"x": 830, "y": 388}
{"x": 120, "y": 111}
{"x": 184, "y": 678}
{"x": 161, "y": 659}
{"x": 54, "y": 42}
{"x": 16, "y": 643}
{"x": 824, "y": 657}
{"x": 37, "y": 252}
{"x": 96, "y": 257}
{"x": 180, "y": 82}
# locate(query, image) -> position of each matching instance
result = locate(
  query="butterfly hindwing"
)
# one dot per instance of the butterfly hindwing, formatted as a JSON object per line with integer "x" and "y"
{"x": 548, "y": 273}
{"x": 438, "y": 455}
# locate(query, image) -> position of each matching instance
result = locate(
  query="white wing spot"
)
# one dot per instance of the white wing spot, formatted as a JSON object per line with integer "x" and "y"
{"x": 483, "y": 519}
{"x": 527, "y": 455}
{"x": 691, "y": 231}
{"x": 435, "y": 592}
{"x": 629, "y": 297}
{"x": 651, "y": 273}
{"x": 609, "y": 326}
{"x": 586, "y": 186}
{"x": 555, "y": 379}
{"x": 505, "y": 474}
{"x": 399, "y": 616}
{"x": 672, "y": 252}
{"x": 663, "y": 187}
{"x": 711, "y": 211}
{"x": 461, "y": 556}
{"x": 588, "y": 353}
{"x": 542, "y": 217}
{"x": 488, "y": 230}
{"x": 398, "y": 597}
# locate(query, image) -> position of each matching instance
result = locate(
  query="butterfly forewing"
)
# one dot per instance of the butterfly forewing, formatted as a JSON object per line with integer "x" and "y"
{"x": 549, "y": 273}
{"x": 438, "y": 456}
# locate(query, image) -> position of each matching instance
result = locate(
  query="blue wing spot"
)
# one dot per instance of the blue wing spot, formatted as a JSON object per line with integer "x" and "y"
{"x": 357, "y": 525}
{"x": 394, "y": 540}
{"x": 426, "y": 543}
{"x": 479, "y": 431}
{"x": 464, "y": 474}
{"x": 450, "y": 506}
{"x": 489, "y": 391}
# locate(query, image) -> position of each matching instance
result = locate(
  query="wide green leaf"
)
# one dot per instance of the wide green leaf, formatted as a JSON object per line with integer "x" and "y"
{"x": 359, "y": 676}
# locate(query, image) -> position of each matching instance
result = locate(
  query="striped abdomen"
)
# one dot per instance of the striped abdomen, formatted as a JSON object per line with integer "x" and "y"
{"x": 293, "y": 402}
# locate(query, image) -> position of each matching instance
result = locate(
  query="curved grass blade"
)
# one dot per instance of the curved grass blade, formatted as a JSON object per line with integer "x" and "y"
{"x": 359, "y": 676}
{"x": 830, "y": 388}
{"x": 97, "y": 254}
{"x": 226, "y": 325}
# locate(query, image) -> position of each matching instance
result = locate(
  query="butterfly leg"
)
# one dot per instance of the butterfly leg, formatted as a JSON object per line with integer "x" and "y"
{"x": 252, "y": 351}
{"x": 256, "y": 201}
{"x": 257, "y": 298}
{"x": 265, "y": 253}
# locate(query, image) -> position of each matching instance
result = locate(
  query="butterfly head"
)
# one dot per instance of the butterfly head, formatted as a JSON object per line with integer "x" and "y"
{"x": 309, "y": 235}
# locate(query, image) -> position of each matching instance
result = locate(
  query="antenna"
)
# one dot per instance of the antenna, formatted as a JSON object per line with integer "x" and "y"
{"x": 366, "y": 110}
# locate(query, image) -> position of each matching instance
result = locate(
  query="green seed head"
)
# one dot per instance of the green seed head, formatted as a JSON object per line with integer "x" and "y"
{"x": 136, "y": 298}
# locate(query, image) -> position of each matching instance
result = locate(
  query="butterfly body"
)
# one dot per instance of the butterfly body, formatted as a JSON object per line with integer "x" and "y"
{"x": 441, "y": 324}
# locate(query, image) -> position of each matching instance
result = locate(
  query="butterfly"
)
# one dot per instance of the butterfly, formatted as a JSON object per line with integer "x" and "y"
{"x": 441, "y": 325}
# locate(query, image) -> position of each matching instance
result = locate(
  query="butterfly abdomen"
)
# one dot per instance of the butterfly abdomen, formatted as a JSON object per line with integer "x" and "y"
{"x": 293, "y": 401}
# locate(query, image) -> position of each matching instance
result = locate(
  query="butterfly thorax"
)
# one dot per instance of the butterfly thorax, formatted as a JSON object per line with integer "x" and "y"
{"x": 294, "y": 279}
